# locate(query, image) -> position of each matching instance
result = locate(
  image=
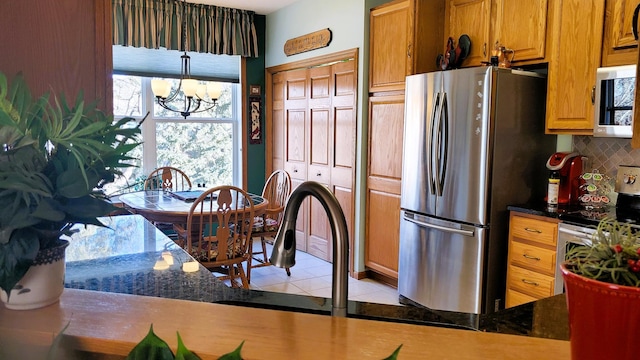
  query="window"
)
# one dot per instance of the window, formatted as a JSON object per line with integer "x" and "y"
{"x": 206, "y": 145}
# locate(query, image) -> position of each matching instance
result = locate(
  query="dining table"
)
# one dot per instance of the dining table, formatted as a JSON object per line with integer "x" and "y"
{"x": 161, "y": 206}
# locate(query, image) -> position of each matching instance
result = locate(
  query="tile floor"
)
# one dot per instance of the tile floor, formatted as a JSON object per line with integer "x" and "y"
{"x": 312, "y": 276}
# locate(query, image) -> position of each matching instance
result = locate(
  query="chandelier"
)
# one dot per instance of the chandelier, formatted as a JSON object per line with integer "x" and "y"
{"x": 197, "y": 96}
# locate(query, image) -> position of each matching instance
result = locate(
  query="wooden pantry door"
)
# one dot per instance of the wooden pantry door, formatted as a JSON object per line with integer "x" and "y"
{"x": 312, "y": 124}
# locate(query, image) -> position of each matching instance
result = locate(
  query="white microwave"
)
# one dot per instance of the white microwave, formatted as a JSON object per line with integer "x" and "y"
{"x": 614, "y": 94}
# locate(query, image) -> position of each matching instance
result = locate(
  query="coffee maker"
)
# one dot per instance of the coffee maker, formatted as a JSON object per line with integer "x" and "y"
{"x": 568, "y": 167}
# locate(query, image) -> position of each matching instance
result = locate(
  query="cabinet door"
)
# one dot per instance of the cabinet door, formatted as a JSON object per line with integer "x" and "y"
{"x": 60, "y": 47}
{"x": 295, "y": 122}
{"x": 320, "y": 84}
{"x": 521, "y": 26}
{"x": 343, "y": 156}
{"x": 619, "y": 46}
{"x": 575, "y": 56}
{"x": 470, "y": 17}
{"x": 320, "y": 119}
{"x": 386, "y": 126}
{"x": 390, "y": 46}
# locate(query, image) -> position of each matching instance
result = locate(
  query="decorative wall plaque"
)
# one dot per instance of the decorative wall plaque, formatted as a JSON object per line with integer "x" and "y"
{"x": 255, "y": 128}
{"x": 312, "y": 41}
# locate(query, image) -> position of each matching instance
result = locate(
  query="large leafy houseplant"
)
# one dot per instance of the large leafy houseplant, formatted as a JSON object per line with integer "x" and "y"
{"x": 54, "y": 161}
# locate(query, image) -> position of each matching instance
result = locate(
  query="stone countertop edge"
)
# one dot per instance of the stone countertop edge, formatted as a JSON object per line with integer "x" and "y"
{"x": 210, "y": 330}
{"x": 128, "y": 274}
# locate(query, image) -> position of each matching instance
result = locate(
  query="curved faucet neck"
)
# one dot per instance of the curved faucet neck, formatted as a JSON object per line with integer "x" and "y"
{"x": 284, "y": 246}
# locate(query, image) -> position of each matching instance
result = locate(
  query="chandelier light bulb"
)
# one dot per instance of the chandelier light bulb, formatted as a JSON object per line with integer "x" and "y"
{"x": 214, "y": 89}
{"x": 201, "y": 92}
{"x": 189, "y": 87}
{"x": 161, "y": 88}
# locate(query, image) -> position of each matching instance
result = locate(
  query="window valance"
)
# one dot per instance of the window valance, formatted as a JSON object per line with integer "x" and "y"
{"x": 210, "y": 29}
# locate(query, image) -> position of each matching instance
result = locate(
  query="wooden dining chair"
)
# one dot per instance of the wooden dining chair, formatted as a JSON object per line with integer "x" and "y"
{"x": 167, "y": 178}
{"x": 218, "y": 232}
{"x": 171, "y": 179}
{"x": 276, "y": 190}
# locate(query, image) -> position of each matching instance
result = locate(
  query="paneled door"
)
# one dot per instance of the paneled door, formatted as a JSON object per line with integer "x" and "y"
{"x": 295, "y": 141}
{"x": 386, "y": 126}
{"x": 343, "y": 131}
{"x": 320, "y": 83}
{"x": 313, "y": 125}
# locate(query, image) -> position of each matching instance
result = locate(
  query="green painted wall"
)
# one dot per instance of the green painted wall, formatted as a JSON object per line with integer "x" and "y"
{"x": 255, "y": 76}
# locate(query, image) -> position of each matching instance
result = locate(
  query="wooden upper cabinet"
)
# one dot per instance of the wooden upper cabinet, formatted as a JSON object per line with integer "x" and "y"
{"x": 471, "y": 17}
{"x": 575, "y": 56}
{"x": 518, "y": 25}
{"x": 66, "y": 47}
{"x": 619, "y": 46}
{"x": 521, "y": 26}
{"x": 403, "y": 41}
{"x": 390, "y": 46}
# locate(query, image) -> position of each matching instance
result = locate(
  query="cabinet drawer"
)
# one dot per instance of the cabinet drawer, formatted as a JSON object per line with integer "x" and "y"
{"x": 542, "y": 232}
{"x": 515, "y": 298}
{"x": 532, "y": 257}
{"x": 530, "y": 283}
{"x": 296, "y": 170}
{"x": 318, "y": 173}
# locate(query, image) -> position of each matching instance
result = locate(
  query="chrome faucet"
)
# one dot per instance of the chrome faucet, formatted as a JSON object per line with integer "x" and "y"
{"x": 284, "y": 246}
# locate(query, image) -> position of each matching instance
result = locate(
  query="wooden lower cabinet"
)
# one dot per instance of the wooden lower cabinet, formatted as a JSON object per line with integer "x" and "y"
{"x": 383, "y": 227}
{"x": 386, "y": 127}
{"x": 532, "y": 258}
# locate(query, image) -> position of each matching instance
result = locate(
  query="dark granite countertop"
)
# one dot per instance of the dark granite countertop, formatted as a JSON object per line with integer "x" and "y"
{"x": 574, "y": 214}
{"x": 120, "y": 258}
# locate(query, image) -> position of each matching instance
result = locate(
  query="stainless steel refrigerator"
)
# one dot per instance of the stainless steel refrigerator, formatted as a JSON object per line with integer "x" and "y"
{"x": 474, "y": 143}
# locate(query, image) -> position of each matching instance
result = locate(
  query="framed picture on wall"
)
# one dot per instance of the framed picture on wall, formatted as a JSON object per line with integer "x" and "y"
{"x": 255, "y": 134}
{"x": 254, "y": 90}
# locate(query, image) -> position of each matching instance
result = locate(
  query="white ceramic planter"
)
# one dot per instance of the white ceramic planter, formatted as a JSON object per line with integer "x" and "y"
{"x": 42, "y": 285}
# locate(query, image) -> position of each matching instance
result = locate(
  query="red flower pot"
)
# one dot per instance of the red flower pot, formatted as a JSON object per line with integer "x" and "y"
{"x": 604, "y": 319}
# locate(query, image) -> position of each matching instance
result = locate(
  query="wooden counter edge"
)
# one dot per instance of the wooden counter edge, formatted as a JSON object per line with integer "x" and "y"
{"x": 108, "y": 323}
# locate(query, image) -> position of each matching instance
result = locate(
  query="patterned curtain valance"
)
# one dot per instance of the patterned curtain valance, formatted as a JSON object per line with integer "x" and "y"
{"x": 210, "y": 29}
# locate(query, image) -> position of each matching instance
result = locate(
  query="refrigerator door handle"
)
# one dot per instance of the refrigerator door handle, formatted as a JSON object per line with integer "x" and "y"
{"x": 430, "y": 153}
{"x": 438, "y": 227}
{"x": 442, "y": 144}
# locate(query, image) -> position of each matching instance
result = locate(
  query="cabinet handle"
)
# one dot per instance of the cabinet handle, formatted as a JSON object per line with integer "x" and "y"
{"x": 484, "y": 50}
{"x": 533, "y": 230}
{"x": 529, "y": 282}
{"x": 409, "y": 51}
{"x": 295, "y": 170}
{"x": 593, "y": 95}
{"x": 527, "y": 256}
{"x": 319, "y": 174}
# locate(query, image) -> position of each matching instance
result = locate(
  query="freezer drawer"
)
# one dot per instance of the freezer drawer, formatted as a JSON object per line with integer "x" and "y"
{"x": 441, "y": 263}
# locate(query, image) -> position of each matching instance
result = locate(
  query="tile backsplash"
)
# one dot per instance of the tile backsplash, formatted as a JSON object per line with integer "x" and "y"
{"x": 606, "y": 154}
